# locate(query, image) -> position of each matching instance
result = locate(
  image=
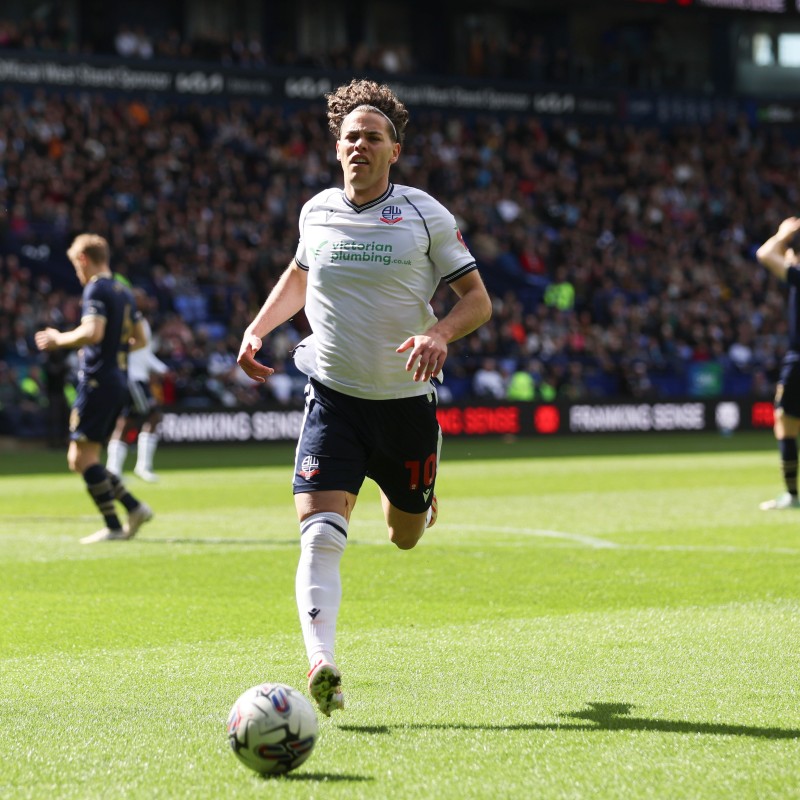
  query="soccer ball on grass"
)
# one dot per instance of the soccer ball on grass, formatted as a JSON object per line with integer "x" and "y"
{"x": 272, "y": 728}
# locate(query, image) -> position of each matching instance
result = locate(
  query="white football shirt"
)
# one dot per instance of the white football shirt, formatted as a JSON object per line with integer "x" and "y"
{"x": 372, "y": 271}
{"x": 143, "y": 361}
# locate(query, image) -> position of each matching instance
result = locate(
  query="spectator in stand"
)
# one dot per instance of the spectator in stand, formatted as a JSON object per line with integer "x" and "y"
{"x": 56, "y": 372}
{"x": 126, "y": 42}
{"x": 281, "y": 385}
{"x": 133, "y": 42}
{"x": 521, "y": 387}
{"x": 488, "y": 381}
{"x": 11, "y": 401}
{"x": 34, "y": 399}
{"x": 485, "y": 54}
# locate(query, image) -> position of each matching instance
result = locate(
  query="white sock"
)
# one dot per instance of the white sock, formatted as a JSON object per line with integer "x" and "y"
{"x": 318, "y": 585}
{"x": 146, "y": 450}
{"x": 117, "y": 452}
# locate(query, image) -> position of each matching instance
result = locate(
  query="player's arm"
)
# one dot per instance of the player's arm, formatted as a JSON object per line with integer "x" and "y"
{"x": 139, "y": 338}
{"x": 284, "y": 301}
{"x": 472, "y": 309}
{"x": 156, "y": 365}
{"x": 775, "y": 254}
{"x": 90, "y": 331}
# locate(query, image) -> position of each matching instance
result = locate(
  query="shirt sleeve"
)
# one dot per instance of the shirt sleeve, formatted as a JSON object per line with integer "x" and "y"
{"x": 155, "y": 364}
{"x": 300, "y": 255}
{"x": 449, "y": 251}
{"x": 92, "y": 305}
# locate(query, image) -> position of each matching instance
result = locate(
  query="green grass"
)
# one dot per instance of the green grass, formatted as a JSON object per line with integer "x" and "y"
{"x": 604, "y": 618}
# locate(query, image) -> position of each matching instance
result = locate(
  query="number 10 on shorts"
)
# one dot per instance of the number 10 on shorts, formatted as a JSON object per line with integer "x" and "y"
{"x": 416, "y": 469}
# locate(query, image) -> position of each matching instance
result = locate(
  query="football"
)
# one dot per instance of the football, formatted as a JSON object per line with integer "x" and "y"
{"x": 272, "y": 728}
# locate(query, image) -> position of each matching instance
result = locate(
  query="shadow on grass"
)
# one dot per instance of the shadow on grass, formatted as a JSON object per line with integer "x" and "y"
{"x": 320, "y": 777}
{"x": 603, "y": 717}
{"x": 218, "y": 540}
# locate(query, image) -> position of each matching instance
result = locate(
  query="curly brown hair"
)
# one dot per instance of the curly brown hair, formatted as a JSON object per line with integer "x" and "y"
{"x": 357, "y": 93}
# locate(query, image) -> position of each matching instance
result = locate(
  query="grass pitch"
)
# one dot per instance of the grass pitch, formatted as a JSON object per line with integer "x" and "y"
{"x": 613, "y": 624}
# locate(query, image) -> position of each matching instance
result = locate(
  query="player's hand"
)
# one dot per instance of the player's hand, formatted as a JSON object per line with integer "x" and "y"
{"x": 788, "y": 228}
{"x": 46, "y": 339}
{"x": 426, "y": 358}
{"x": 251, "y": 344}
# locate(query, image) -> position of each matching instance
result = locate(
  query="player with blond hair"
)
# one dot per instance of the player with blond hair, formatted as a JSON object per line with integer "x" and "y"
{"x": 109, "y": 328}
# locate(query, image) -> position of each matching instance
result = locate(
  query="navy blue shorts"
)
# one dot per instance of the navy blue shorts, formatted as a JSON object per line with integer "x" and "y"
{"x": 787, "y": 396}
{"x": 345, "y": 439}
{"x": 96, "y": 408}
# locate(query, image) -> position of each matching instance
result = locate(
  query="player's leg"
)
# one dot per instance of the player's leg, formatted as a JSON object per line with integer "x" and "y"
{"x": 324, "y": 519}
{"x": 84, "y": 458}
{"x": 406, "y": 466}
{"x": 143, "y": 403}
{"x": 786, "y": 429}
{"x": 139, "y": 512}
{"x": 405, "y": 530}
{"x": 329, "y": 471}
{"x": 94, "y": 416}
{"x": 145, "y": 453}
{"x": 117, "y": 448}
{"x": 147, "y": 446}
{"x": 127, "y": 422}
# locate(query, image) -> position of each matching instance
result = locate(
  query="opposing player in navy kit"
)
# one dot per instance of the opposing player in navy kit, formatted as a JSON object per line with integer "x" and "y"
{"x": 109, "y": 327}
{"x": 369, "y": 259}
{"x": 780, "y": 258}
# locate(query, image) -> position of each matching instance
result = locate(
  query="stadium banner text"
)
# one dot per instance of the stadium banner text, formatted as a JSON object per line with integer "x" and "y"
{"x": 293, "y": 86}
{"x": 191, "y": 426}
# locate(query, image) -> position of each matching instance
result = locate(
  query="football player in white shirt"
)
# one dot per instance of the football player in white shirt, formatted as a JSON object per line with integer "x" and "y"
{"x": 369, "y": 259}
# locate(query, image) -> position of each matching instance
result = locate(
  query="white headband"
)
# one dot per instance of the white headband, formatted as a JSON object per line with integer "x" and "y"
{"x": 368, "y": 107}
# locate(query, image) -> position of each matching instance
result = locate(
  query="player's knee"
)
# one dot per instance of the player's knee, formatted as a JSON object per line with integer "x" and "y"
{"x": 323, "y": 533}
{"x": 405, "y": 538}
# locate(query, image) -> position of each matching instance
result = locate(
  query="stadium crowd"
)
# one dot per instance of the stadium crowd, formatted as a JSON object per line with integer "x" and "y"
{"x": 623, "y": 55}
{"x": 620, "y": 259}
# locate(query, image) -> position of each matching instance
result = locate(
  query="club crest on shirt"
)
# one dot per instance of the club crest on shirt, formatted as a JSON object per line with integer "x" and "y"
{"x": 309, "y": 468}
{"x": 391, "y": 214}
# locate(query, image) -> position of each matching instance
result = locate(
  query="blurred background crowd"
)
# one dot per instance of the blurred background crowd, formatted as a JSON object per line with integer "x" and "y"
{"x": 620, "y": 259}
{"x": 513, "y": 41}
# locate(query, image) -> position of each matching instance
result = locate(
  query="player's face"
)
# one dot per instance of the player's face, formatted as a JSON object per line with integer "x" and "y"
{"x": 366, "y": 150}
